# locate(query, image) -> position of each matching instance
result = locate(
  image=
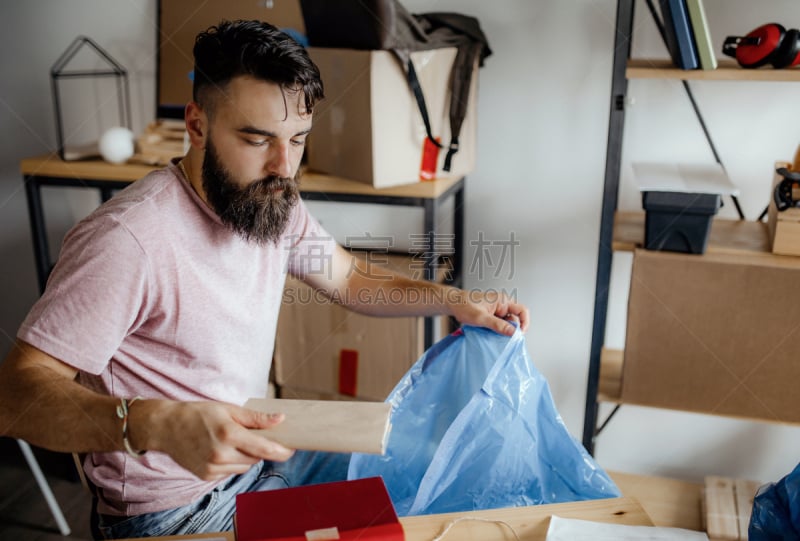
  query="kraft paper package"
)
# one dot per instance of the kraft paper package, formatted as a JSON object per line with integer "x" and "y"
{"x": 474, "y": 427}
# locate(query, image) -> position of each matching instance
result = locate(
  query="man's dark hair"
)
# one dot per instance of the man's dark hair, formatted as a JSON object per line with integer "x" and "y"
{"x": 257, "y": 49}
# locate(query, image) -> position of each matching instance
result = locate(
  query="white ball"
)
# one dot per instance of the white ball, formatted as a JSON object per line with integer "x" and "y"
{"x": 116, "y": 145}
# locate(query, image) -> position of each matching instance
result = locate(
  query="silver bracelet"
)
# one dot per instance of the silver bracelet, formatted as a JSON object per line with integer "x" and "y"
{"x": 122, "y": 413}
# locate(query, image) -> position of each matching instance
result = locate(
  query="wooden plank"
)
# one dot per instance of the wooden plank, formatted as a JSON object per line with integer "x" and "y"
{"x": 720, "y": 508}
{"x": 324, "y": 425}
{"x": 671, "y": 503}
{"x": 51, "y": 165}
{"x": 312, "y": 181}
{"x": 529, "y": 523}
{"x": 735, "y": 237}
{"x": 728, "y": 70}
{"x": 745, "y": 492}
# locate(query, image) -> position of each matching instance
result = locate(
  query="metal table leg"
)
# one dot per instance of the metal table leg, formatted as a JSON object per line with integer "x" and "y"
{"x": 45, "y": 488}
{"x": 41, "y": 247}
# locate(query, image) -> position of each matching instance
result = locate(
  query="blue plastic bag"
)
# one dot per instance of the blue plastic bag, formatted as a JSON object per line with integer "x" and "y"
{"x": 474, "y": 426}
{"x": 776, "y": 510}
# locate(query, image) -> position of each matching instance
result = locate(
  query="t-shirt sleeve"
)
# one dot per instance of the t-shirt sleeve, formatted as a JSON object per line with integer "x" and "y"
{"x": 310, "y": 246}
{"x": 96, "y": 295}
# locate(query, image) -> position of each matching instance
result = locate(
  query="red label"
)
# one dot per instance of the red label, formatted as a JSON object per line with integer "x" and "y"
{"x": 430, "y": 160}
{"x": 348, "y": 371}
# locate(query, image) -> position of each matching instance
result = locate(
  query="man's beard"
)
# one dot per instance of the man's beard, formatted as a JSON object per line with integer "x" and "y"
{"x": 258, "y": 212}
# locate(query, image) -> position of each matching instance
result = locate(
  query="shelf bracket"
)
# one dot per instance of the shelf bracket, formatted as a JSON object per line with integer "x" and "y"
{"x": 607, "y": 420}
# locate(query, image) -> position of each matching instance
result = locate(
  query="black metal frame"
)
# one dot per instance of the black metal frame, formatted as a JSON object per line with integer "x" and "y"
{"x": 431, "y": 206}
{"x": 616, "y": 123}
{"x": 623, "y": 34}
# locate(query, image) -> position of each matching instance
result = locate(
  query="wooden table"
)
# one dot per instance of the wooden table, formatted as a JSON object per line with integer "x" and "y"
{"x": 529, "y": 523}
{"x": 51, "y": 170}
{"x": 647, "y": 501}
{"x": 668, "y": 502}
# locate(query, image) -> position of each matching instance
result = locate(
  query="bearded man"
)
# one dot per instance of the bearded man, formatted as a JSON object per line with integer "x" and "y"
{"x": 158, "y": 321}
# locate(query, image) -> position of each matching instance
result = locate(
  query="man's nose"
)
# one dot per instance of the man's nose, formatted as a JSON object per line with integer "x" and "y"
{"x": 279, "y": 161}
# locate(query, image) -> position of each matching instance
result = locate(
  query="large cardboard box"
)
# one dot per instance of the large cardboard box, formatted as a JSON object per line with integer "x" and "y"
{"x": 369, "y": 127}
{"x": 323, "y": 349}
{"x": 716, "y": 333}
{"x": 179, "y": 23}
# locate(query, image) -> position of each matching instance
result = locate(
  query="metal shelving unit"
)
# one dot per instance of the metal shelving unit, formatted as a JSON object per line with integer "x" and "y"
{"x": 625, "y": 68}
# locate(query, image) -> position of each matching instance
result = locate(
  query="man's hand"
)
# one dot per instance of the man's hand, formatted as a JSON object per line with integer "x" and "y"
{"x": 489, "y": 309}
{"x": 211, "y": 440}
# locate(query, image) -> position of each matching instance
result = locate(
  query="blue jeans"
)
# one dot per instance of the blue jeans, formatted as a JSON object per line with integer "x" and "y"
{"x": 214, "y": 511}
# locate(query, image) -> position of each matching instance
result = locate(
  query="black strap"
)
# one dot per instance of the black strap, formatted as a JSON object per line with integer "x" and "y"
{"x": 450, "y": 151}
{"x": 413, "y": 83}
{"x": 457, "y": 105}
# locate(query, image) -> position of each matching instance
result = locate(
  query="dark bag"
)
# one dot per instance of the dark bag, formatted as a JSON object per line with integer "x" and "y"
{"x": 776, "y": 510}
{"x": 387, "y": 25}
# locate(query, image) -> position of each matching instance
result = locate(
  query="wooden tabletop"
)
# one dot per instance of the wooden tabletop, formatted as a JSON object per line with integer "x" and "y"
{"x": 529, "y": 523}
{"x": 647, "y": 500}
{"x": 51, "y": 165}
{"x": 671, "y": 503}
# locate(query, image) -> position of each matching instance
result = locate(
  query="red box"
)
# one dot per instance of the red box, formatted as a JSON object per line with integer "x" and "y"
{"x": 349, "y": 510}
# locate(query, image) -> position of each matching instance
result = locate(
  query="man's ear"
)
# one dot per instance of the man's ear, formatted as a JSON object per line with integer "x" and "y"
{"x": 196, "y": 125}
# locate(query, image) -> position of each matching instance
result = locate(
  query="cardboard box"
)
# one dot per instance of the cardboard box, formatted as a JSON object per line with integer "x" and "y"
{"x": 784, "y": 227}
{"x": 347, "y": 510}
{"x": 179, "y": 23}
{"x": 369, "y": 127}
{"x": 321, "y": 347}
{"x": 716, "y": 333}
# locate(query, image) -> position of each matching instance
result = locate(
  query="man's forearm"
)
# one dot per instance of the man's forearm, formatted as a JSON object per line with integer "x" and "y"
{"x": 41, "y": 403}
{"x": 395, "y": 295}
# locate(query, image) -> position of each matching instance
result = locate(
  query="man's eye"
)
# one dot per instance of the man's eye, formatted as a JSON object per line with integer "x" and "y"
{"x": 298, "y": 142}
{"x": 257, "y": 142}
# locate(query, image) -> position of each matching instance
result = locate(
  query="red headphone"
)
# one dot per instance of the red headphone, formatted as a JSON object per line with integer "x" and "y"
{"x": 768, "y": 44}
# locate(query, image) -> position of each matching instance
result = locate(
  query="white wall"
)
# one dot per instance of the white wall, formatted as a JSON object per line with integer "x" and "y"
{"x": 33, "y": 34}
{"x": 543, "y": 121}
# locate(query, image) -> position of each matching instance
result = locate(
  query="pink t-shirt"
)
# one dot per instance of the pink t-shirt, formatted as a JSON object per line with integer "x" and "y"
{"x": 153, "y": 296}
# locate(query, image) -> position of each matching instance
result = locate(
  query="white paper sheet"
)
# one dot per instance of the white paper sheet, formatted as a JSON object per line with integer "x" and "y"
{"x": 568, "y": 529}
{"x": 683, "y": 177}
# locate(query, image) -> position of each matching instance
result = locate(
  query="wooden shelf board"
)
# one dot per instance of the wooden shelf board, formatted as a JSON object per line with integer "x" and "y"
{"x": 51, "y": 165}
{"x": 735, "y": 237}
{"x": 728, "y": 70}
{"x": 313, "y": 181}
